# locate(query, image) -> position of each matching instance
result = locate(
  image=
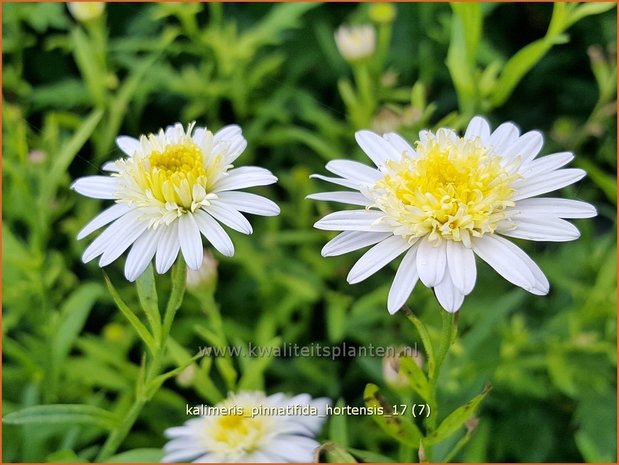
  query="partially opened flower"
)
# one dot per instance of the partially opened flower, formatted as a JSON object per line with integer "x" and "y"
{"x": 173, "y": 188}
{"x": 445, "y": 201}
{"x": 355, "y": 42}
{"x": 250, "y": 427}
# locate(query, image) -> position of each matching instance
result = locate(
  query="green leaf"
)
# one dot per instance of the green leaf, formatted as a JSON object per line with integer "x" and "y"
{"x": 416, "y": 377}
{"x": 333, "y": 453}
{"x": 91, "y": 70}
{"x": 155, "y": 384}
{"x": 140, "y": 329}
{"x": 337, "y": 307}
{"x": 179, "y": 277}
{"x": 517, "y": 67}
{"x": 370, "y": 457}
{"x": 63, "y": 413}
{"x": 398, "y": 427}
{"x": 146, "y": 455}
{"x": 147, "y": 293}
{"x": 64, "y": 456}
{"x": 252, "y": 373}
{"x": 456, "y": 419}
{"x": 73, "y": 315}
{"x": 338, "y": 429}
{"x": 589, "y": 9}
{"x": 425, "y": 338}
{"x": 465, "y": 34}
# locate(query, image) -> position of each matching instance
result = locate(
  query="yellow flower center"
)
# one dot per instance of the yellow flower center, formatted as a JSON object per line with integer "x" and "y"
{"x": 452, "y": 189}
{"x": 238, "y": 434}
{"x": 174, "y": 172}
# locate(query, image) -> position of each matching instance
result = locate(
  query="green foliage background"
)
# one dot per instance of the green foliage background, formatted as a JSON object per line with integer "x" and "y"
{"x": 69, "y": 89}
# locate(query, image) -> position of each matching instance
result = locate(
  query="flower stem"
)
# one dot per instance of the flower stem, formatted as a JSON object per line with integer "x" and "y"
{"x": 143, "y": 392}
{"x": 117, "y": 436}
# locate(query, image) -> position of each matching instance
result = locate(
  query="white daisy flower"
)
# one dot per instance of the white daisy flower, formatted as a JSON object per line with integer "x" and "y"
{"x": 173, "y": 188}
{"x": 445, "y": 201}
{"x": 249, "y": 427}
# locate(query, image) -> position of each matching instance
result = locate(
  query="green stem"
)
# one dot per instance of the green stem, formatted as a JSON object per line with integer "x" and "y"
{"x": 153, "y": 368}
{"x": 118, "y": 435}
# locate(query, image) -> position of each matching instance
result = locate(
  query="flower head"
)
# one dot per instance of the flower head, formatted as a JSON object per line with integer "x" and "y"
{"x": 250, "y": 427}
{"x": 173, "y": 187}
{"x": 445, "y": 201}
{"x": 86, "y": 11}
{"x": 355, "y": 42}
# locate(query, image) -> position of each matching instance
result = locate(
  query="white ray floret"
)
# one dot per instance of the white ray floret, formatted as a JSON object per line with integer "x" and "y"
{"x": 173, "y": 188}
{"x": 249, "y": 427}
{"x": 444, "y": 201}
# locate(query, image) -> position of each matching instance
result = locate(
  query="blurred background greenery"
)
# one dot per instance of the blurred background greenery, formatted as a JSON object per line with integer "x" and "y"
{"x": 70, "y": 87}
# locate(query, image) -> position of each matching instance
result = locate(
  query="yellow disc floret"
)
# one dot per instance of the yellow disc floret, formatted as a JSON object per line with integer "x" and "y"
{"x": 453, "y": 189}
{"x": 174, "y": 172}
{"x": 239, "y": 432}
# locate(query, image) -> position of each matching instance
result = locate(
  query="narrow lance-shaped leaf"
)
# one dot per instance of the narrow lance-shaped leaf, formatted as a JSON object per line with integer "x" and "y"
{"x": 147, "y": 293}
{"x": 63, "y": 413}
{"x": 399, "y": 427}
{"x": 139, "y": 327}
{"x": 416, "y": 377}
{"x": 456, "y": 419}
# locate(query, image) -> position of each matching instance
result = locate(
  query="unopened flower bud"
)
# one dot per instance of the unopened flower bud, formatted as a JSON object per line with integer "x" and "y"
{"x": 356, "y": 42}
{"x": 86, "y": 11}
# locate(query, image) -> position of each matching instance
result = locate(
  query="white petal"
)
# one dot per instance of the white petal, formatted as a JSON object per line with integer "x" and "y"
{"x": 293, "y": 448}
{"x": 526, "y": 146}
{"x": 351, "y": 240}
{"x": 461, "y": 266}
{"x": 198, "y": 136}
{"x": 183, "y": 455}
{"x": 447, "y": 295}
{"x": 245, "y": 176}
{"x": 400, "y": 144}
{"x": 431, "y": 262}
{"x": 249, "y": 203}
{"x": 180, "y": 432}
{"x": 541, "y": 228}
{"x": 351, "y": 198}
{"x": 405, "y": 279}
{"x": 209, "y": 458}
{"x": 235, "y": 148}
{"x": 542, "y": 184}
{"x": 377, "y": 257}
{"x": 106, "y": 216}
{"x": 122, "y": 242}
{"x": 338, "y": 181}
{"x": 546, "y": 164}
{"x": 97, "y": 187}
{"x": 191, "y": 241}
{"x": 117, "y": 228}
{"x": 376, "y": 148}
{"x": 562, "y": 208}
{"x": 215, "y": 234}
{"x": 167, "y": 248}
{"x": 227, "y": 132}
{"x": 141, "y": 254}
{"x": 353, "y": 220}
{"x": 127, "y": 144}
{"x": 229, "y": 216}
{"x": 354, "y": 171}
{"x": 511, "y": 262}
{"x": 478, "y": 127}
{"x": 110, "y": 166}
{"x": 261, "y": 457}
{"x": 503, "y": 136}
